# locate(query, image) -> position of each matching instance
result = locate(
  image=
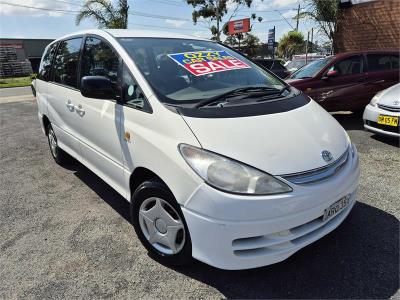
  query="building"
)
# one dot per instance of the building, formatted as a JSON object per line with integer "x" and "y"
{"x": 20, "y": 57}
{"x": 368, "y": 25}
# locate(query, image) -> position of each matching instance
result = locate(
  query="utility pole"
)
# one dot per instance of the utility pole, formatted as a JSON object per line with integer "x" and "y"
{"x": 297, "y": 21}
{"x": 308, "y": 37}
{"x": 124, "y": 13}
{"x": 217, "y": 15}
{"x": 273, "y": 46}
{"x": 312, "y": 41}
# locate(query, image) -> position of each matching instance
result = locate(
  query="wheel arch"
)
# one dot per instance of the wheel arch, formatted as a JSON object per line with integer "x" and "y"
{"x": 140, "y": 175}
{"x": 46, "y": 122}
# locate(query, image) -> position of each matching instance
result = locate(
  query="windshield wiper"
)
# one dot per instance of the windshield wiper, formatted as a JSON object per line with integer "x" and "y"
{"x": 251, "y": 90}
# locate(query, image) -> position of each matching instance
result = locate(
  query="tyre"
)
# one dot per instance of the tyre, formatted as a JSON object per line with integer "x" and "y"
{"x": 159, "y": 223}
{"x": 58, "y": 154}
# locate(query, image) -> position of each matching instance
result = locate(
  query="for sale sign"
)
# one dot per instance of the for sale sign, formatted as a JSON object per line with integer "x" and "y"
{"x": 206, "y": 62}
{"x": 239, "y": 26}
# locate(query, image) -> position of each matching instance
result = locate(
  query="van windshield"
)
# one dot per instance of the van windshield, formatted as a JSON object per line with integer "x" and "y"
{"x": 189, "y": 71}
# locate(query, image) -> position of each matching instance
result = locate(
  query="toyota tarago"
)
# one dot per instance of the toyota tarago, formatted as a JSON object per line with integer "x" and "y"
{"x": 220, "y": 159}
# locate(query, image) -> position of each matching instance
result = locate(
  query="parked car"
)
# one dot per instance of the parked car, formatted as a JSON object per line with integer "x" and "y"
{"x": 347, "y": 81}
{"x": 275, "y": 66}
{"x": 299, "y": 61}
{"x": 199, "y": 140}
{"x": 382, "y": 114}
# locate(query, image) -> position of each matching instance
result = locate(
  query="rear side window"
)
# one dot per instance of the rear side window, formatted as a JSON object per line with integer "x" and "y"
{"x": 99, "y": 59}
{"x": 382, "y": 62}
{"x": 45, "y": 64}
{"x": 349, "y": 66}
{"x": 66, "y": 62}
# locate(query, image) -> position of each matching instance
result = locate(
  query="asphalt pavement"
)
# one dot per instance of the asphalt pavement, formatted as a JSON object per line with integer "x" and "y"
{"x": 65, "y": 233}
{"x": 17, "y": 94}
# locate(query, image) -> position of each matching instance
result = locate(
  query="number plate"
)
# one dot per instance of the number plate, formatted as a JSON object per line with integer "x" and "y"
{"x": 388, "y": 120}
{"x": 335, "y": 208}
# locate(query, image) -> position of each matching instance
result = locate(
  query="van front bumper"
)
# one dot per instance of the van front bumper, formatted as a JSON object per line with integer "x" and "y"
{"x": 240, "y": 232}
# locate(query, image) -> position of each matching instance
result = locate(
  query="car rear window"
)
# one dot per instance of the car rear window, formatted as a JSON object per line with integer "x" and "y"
{"x": 265, "y": 63}
{"x": 278, "y": 66}
{"x": 382, "y": 62}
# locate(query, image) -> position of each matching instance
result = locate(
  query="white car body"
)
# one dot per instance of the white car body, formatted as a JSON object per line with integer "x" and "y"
{"x": 227, "y": 230}
{"x": 385, "y": 103}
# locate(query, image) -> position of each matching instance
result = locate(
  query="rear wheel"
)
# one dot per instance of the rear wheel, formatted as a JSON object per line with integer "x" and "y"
{"x": 58, "y": 154}
{"x": 159, "y": 223}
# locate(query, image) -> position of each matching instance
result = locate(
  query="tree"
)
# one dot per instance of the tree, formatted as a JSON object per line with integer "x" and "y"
{"x": 325, "y": 13}
{"x": 246, "y": 42}
{"x": 251, "y": 44}
{"x": 291, "y": 43}
{"x": 105, "y": 14}
{"x": 232, "y": 40}
{"x": 214, "y": 11}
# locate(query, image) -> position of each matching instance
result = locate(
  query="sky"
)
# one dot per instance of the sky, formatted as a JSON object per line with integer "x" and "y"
{"x": 57, "y": 18}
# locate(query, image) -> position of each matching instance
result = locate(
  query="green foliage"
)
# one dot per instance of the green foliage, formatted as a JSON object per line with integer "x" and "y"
{"x": 291, "y": 43}
{"x": 214, "y": 11}
{"x": 325, "y": 13}
{"x": 249, "y": 43}
{"x": 16, "y": 81}
{"x": 105, "y": 14}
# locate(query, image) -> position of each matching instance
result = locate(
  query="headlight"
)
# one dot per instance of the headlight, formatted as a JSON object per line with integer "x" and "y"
{"x": 229, "y": 175}
{"x": 375, "y": 99}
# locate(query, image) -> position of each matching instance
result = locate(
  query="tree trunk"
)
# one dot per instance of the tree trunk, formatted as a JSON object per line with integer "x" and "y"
{"x": 124, "y": 13}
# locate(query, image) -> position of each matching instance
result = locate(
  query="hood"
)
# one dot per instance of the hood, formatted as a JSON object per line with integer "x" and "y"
{"x": 391, "y": 96}
{"x": 281, "y": 143}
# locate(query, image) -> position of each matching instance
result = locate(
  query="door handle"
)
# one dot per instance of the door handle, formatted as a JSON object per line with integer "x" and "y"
{"x": 79, "y": 110}
{"x": 70, "y": 106}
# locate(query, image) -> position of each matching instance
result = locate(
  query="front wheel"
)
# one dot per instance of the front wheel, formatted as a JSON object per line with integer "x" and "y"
{"x": 159, "y": 223}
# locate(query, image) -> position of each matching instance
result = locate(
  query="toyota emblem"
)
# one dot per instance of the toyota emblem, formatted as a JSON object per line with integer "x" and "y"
{"x": 396, "y": 102}
{"x": 326, "y": 155}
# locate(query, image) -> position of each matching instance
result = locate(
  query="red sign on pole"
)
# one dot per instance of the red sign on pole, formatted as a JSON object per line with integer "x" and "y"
{"x": 239, "y": 26}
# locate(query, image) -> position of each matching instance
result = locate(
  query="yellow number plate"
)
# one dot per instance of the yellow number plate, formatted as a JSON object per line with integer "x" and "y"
{"x": 387, "y": 120}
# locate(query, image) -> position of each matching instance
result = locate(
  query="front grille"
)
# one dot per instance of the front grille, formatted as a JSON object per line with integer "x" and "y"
{"x": 383, "y": 127}
{"x": 319, "y": 174}
{"x": 389, "y": 108}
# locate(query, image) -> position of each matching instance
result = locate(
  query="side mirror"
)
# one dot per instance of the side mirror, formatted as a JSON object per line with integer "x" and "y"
{"x": 98, "y": 87}
{"x": 330, "y": 74}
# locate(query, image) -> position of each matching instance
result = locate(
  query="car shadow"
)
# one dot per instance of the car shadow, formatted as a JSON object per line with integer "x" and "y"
{"x": 102, "y": 189}
{"x": 360, "y": 259}
{"x": 354, "y": 121}
{"x": 387, "y": 140}
{"x": 349, "y": 120}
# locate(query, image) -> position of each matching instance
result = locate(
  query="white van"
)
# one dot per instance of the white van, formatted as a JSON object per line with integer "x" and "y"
{"x": 221, "y": 160}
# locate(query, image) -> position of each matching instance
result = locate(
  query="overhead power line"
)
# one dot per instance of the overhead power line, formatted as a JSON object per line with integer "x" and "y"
{"x": 134, "y": 13}
{"x": 147, "y": 15}
{"x": 66, "y": 2}
{"x": 166, "y": 27}
{"x": 40, "y": 8}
